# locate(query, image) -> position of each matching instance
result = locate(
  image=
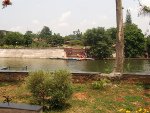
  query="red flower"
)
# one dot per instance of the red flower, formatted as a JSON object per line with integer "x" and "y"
{"x": 5, "y": 3}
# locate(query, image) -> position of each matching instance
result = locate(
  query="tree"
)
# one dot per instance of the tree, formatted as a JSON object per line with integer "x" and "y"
{"x": 111, "y": 32}
{"x": 77, "y": 35}
{"x": 120, "y": 39}
{"x": 28, "y": 38}
{"x": 145, "y": 10}
{"x": 74, "y": 39}
{"x": 128, "y": 17}
{"x": 45, "y": 33}
{"x": 28, "y": 33}
{"x": 134, "y": 38}
{"x": 134, "y": 41}
{"x": 148, "y": 45}
{"x": 100, "y": 43}
{"x": 92, "y": 36}
{"x": 67, "y": 39}
{"x": 2, "y": 39}
{"x": 101, "y": 50}
{"x": 56, "y": 40}
{"x": 14, "y": 38}
{"x": 120, "y": 34}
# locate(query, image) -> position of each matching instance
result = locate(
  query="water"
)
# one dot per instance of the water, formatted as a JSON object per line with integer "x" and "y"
{"x": 131, "y": 66}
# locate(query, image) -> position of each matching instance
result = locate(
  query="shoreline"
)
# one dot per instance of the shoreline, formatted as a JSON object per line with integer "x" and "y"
{"x": 47, "y": 53}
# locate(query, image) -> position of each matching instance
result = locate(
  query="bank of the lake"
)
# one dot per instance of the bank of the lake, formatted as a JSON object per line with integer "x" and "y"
{"x": 32, "y": 53}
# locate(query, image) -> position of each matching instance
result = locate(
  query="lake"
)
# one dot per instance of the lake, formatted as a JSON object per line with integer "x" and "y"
{"x": 131, "y": 66}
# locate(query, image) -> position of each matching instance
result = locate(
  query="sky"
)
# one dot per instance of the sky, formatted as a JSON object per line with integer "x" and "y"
{"x": 66, "y": 16}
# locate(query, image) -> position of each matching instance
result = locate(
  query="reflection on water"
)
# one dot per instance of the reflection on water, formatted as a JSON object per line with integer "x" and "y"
{"x": 137, "y": 66}
{"x": 75, "y": 66}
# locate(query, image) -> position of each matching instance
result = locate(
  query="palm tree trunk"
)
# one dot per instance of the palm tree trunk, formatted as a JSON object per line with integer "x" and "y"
{"x": 120, "y": 38}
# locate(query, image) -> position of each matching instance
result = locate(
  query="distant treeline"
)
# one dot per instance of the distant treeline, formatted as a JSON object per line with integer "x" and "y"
{"x": 100, "y": 41}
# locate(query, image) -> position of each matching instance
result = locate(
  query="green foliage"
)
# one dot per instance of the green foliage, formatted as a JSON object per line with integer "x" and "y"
{"x": 93, "y": 36}
{"x": 128, "y": 17}
{"x": 45, "y": 33}
{"x": 39, "y": 45}
{"x": 60, "y": 89}
{"x": 2, "y": 40}
{"x": 52, "y": 89}
{"x": 100, "y": 42}
{"x": 76, "y": 42}
{"x": 148, "y": 45}
{"x": 69, "y": 37}
{"x": 56, "y": 40}
{"x": 77, "y": 35}
{"x": 111, "y": 32}
{"x": 134, "y": 41}
{"x": 101, "y": 50}
{"x": 14, "y": 38}
{"x": 97, "y": 85}
{"x": 80, "y": 88}
{"x": 101, "y": 84}
{"x": 74, "y": 39}
{"x": 133, "y": 98}
{"x": 121, "y": 96}
{"x": 37, "y": 83}
{"x": 28, "y": 38}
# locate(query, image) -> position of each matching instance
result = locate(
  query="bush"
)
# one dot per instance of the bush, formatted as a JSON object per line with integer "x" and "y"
{"x": 101, "y": 84}
{"x": 76, "y": 42}
{"x": 37, "y": 83}
{"x": 61, "y": 88}
{"x": 53, "y": 89}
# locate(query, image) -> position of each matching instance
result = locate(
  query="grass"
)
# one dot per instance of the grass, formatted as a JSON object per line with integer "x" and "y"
{"x": 86, "y": 100}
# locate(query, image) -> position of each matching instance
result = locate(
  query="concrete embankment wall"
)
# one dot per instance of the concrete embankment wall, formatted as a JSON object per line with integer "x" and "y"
{"x": 32, "y": 53}
{"x": 79, "y": 77}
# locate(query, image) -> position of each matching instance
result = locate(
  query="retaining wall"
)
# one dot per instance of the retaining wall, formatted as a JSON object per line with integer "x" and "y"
{"x": 13, "y": 76}
{"x": 32, "y": 53}
{"x": 80, "y": 77}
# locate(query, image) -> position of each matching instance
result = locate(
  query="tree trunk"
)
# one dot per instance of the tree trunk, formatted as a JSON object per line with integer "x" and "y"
{"x": 120, "y": 38}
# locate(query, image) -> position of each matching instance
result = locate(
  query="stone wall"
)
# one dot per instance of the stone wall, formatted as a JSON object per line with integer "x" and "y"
{"x": 13, "y": 76}
{"x": 32, "y": 53}
{"x": 80, "y": 77}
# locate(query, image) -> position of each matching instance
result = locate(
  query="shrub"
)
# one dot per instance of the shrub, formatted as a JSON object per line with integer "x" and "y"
{"x": 60, "y": 89}
{"x": 101, "y": 84}
{"x": 76, "y": 42}
{"x": 53, "y": 89}
{"x": 37, "y": 83}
